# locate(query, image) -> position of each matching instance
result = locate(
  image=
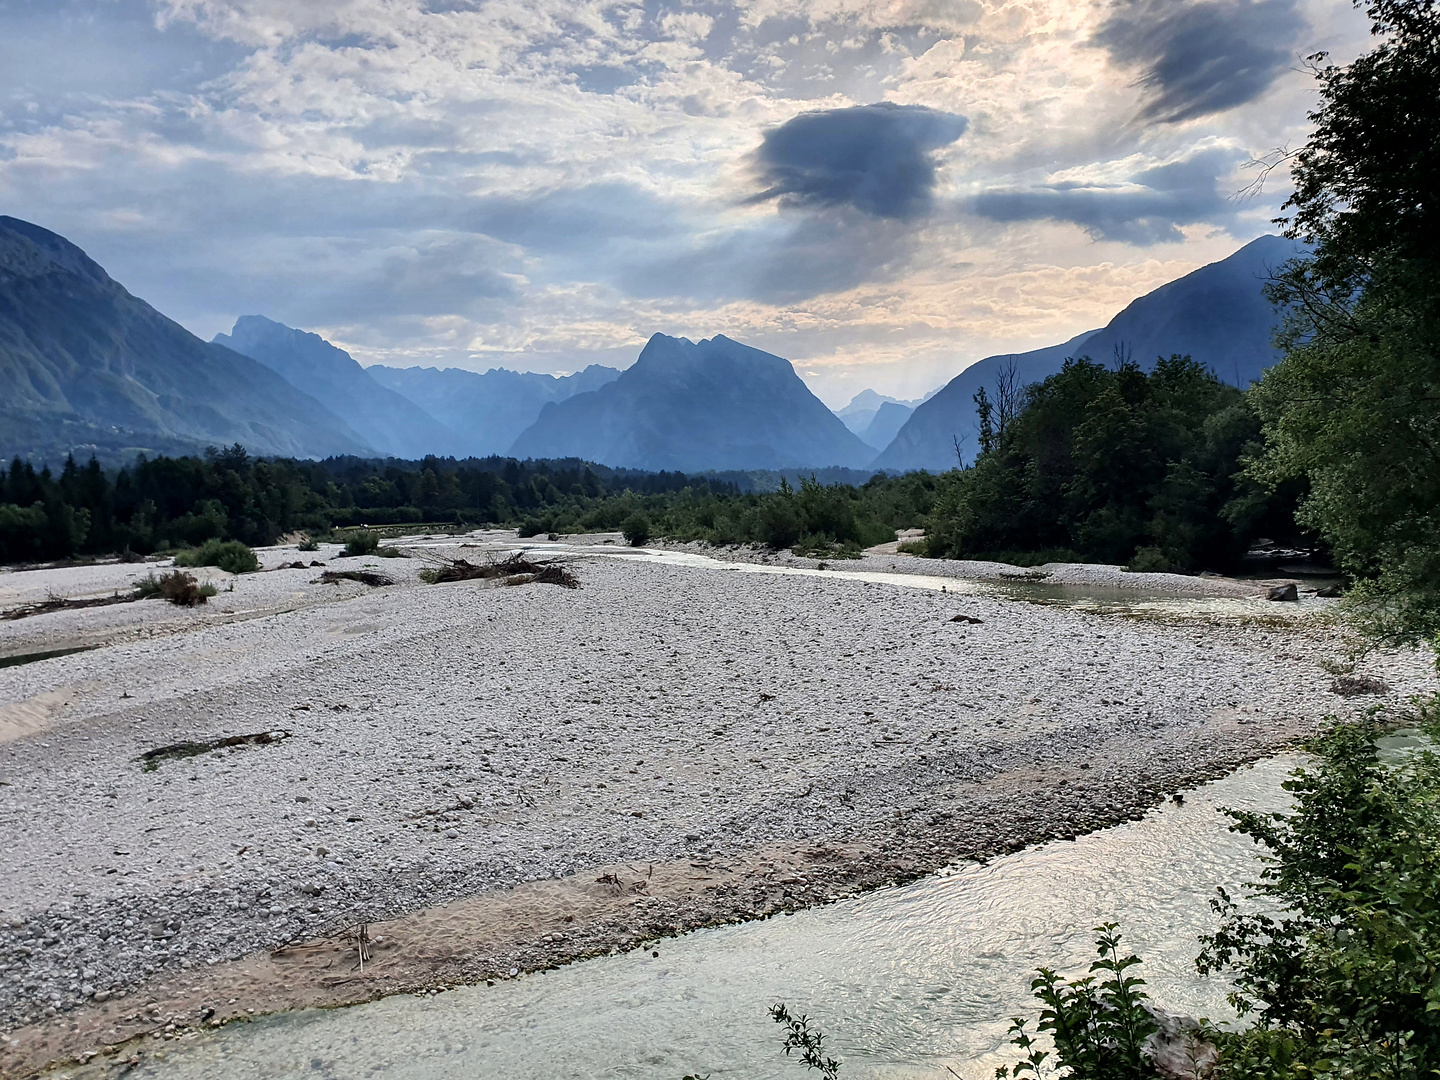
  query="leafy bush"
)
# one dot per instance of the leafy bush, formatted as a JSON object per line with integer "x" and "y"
{"x": 229, "y": 555}
{"x": 175, "y": 586}
{"x": 1346, "y": 982}
{"x": 1098, "y": 1029}
{"x": 363, "y": 542}
{"x": 636, "y": 529}
{"x": 307, "y": 544}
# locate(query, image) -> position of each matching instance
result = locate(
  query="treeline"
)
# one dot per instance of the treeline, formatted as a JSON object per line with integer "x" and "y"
{"x": 167, "y": 503}
{"x": 164, "y": 503}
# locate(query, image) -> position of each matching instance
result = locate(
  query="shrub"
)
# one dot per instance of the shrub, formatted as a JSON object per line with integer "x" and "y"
{"x": 389, "y": 553}
{"x": 636, "y": 529}
{"x": 362, "y": 542}
{"x": 1098, "y": 1028}
{"x": 1150, "y": 560}
{"x": 529, "y": 527}
{"x": 176, "y": 586}
{"x": 229, "y": 555}
{"x": 307, "y": 544}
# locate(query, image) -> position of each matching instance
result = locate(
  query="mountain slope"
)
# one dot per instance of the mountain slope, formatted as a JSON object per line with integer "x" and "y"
{"x": 693, "y": 406}
{"x": 1218, "y": 315}
{"x": 86, "y": 366}
{"x": 885, "y": 424}
{"x": 487, "y": 412}
{"x": 392, "y": 424}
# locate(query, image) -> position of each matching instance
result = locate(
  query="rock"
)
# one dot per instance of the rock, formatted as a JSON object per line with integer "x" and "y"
{"x": 1288, "y": 591}
{"x": 1358, "y": 685}
{"x": 967, "y": 619}
{"x": 1178, "y": 1049}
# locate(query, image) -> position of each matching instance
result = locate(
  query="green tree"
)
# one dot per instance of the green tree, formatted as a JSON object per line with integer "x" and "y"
{"x": 1354, "y": 406}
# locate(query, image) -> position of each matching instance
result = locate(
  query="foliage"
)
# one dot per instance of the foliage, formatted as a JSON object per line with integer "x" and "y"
{"x": 1114, "y": 465}
{"x": 1098, "y": 1028}
{"x": 362, "y": 542}
{"x": 810, "y": 1041}
{"x": 1340, "y": 964}
{"x": 307, "y": 544}
{"x": 229, "y": 555}
{"x": 1354, "y": 406}
{"x": 636, "y": 529}
{"x": 175, "y": 586}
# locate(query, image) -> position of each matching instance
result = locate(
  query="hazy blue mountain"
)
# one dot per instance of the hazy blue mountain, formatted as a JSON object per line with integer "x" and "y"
{"x": 487, "y": 412}
{"x": 1218, "y": 315}
{"x": 393, "y": 424}
{"x": 713, "y": 404}
{"x": 885, "y": 424}
{"x": 85, "y": 366}
{"x": 860, "y": 413}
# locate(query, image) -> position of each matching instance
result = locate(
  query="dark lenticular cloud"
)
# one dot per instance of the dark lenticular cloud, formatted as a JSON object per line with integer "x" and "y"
{"x": 875, "y": 158}
{"x": 1201, "y": 58}
{"x": 1148, "y": 209}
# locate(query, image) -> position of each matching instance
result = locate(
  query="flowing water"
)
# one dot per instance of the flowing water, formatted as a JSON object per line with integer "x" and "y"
{"x": 905, "y": 981}
{"x": 1098, "y": 599}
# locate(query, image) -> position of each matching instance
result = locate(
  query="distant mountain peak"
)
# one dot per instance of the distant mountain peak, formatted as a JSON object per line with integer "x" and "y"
{"x": 715, "y": 403}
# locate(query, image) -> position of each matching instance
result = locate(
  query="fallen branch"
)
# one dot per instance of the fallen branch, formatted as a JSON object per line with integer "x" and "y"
{"x": 63, "y": 603}
{"x": 365, "y": 577}
{"x": 515, "y": 569}
{"x": 150, "y": 760}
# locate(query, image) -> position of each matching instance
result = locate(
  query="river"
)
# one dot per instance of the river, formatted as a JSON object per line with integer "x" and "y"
{"x": 907, "y": 982}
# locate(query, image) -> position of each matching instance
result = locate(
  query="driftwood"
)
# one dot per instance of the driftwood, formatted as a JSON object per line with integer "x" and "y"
{"x": 515, "y": 569}
{"x": 62, "y": 603}
{"x": 150, "y": 760}
{"x": 365, "y": 577}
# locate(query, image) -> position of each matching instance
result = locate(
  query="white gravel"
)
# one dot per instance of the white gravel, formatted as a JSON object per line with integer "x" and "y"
{"x": 655, "y": 711}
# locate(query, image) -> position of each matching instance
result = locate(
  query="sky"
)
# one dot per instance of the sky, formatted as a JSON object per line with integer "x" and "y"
{"x": 882, "y": 191}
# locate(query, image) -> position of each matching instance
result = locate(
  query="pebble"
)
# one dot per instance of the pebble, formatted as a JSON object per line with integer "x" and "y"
{"x": 743, "y": 709}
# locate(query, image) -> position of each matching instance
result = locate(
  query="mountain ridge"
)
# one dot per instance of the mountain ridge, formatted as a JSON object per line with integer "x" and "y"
{"x": 691, "y": 406}
{"x": 488, "y": 410}
{"x": 1217, "y": 314}
{"x": 391, "y": 423}
{"x": 87, "y": 367}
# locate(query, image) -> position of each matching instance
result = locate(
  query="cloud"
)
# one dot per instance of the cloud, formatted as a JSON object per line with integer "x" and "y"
{"x": 1147, "y": 208}
{"x": 1201, "y": 58}
{"x": 875, "y": 158}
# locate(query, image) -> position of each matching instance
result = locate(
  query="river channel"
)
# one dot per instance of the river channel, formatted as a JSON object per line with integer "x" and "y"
{"x": 907, "y": 982}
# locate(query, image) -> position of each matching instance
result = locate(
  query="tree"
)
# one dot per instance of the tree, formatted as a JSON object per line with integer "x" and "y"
{"x": 1354, "y": 406}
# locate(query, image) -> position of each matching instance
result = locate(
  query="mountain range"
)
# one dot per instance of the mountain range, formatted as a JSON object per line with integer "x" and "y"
{"x": 488, "y": 412}
{"x": 394, "y": 425}
{"x": 1218, "y": 315}
{"x": 410, "y": 412}
{"x": 875, "y": 417}
{"x": 86, "y": 367}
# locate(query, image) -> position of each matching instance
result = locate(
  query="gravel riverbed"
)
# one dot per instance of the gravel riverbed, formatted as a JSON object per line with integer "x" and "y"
{"x": 436, "y": 742}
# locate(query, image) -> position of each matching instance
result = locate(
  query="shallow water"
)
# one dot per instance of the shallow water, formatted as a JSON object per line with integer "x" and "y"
{"x": 1099, "y": 599}
{"x": 904, "y": 981}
